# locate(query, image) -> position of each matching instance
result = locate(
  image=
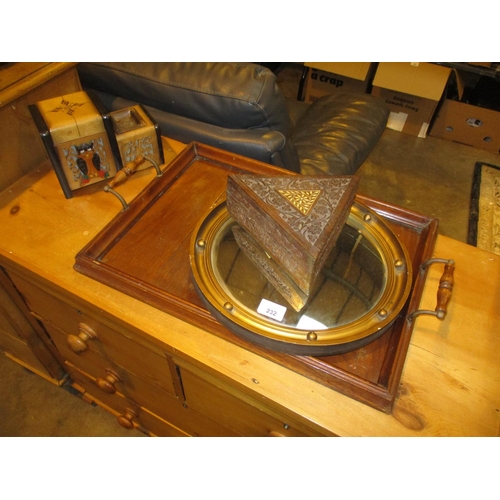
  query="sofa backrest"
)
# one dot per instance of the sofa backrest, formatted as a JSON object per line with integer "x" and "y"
{"x": 230, "y": 95}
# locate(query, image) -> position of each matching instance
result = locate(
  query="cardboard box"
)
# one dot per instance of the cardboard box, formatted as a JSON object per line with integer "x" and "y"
{"x": 412, "y": 92}
{"x": 328, "y": 78}
{"x": 467, "y": 123}
{"x": 76, "y": 131}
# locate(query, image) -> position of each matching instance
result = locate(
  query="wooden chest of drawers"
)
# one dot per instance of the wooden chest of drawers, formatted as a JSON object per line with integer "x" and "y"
{"x": 142, "y": 384}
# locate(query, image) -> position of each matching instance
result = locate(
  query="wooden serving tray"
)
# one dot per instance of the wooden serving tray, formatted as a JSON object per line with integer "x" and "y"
{"x": 144, "y": 252}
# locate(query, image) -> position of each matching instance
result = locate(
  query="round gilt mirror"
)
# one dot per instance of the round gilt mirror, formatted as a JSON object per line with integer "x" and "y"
{"x": 363, "y": 285}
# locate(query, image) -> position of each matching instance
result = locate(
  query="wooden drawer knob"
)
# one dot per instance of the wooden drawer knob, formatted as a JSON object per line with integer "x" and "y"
{"x": 78, "y": 343}
{"x": 107, "y": 384}
{"x": 126, "y": 420}
{"x": 277, "y": 433}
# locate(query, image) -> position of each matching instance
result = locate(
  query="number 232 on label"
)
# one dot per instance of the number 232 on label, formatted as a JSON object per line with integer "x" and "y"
{"x": 271, "y": 310}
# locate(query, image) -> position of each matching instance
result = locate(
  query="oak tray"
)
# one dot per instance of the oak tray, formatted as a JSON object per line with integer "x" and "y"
{"x": 144, "y": 252}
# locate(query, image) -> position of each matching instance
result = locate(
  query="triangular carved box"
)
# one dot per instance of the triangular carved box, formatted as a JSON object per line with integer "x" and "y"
{"x": 291, "y": 224}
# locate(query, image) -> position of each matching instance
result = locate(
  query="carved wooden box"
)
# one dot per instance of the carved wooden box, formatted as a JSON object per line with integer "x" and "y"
{"x": 76, "y": 137}
{"x": 294, "y": 221}
{"x": 137, "y": 135}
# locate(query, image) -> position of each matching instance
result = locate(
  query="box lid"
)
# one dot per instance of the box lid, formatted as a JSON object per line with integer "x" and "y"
{"x": 420, "y": 79}
{"x": 71, "y": 116}
{"x": 356, "y": 70}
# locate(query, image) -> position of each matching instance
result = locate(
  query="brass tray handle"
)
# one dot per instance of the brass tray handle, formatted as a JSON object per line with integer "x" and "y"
{"x": 127, "y": 171}
{"x": 445, "y": 289}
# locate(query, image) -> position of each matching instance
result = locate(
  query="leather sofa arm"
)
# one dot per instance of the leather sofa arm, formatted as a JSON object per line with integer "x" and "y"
{"x": 267, "y": 146}
{"x": 337, "y": 133}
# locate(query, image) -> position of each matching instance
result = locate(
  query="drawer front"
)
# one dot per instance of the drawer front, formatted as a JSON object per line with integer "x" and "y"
{"x": 114, "y": 377}
{"x": 158, "y": 427}
{"x": 5, "y": 325}
{"x": 24, "y": 340}
{"x": 87, "y": 335}
{"x": 111, "y": 377}
{"x": 167, "y": 408}
{"x": 128, "y": 414}
{"x": 234, "y": 413}
{"x": 20, "y": 351}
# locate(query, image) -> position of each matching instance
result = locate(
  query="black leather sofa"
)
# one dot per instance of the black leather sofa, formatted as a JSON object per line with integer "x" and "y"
{"x": 238, "y": 107}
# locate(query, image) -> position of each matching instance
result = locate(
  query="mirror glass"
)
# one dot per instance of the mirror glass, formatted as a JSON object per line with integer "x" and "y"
{"x": 351, "y": 282}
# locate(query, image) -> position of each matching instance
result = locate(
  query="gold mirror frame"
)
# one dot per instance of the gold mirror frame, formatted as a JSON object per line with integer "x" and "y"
{"x": 261, "y": 330}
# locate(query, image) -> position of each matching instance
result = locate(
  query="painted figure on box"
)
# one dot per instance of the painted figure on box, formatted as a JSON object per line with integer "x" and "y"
{"x": 87, "y": 161}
